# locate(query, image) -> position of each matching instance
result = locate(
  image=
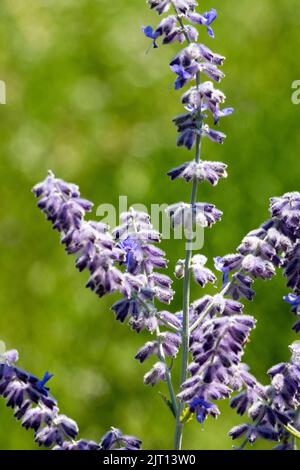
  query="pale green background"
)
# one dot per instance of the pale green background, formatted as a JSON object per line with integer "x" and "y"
{"x": 85, "y": 100}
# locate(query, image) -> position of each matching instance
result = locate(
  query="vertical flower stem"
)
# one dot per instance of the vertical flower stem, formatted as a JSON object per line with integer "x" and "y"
{"x": 186, "y": 280}
{"x": 186, "y": 302}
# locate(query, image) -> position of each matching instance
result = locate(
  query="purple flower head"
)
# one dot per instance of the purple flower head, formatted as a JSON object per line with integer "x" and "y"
{"x": 292, "y": 268}
{"x": 37, "y": 410}
{"x": 202, "y": 214}
{"x": 202, "y": 275}
{"x": 41, "y": 383}
{"x": 220, "y": 113}
{"x": 202, "y": 171}
{"x": 156, "y": 374}
{"x": 214, "y": 136}
{"x": 206, "y": 19}
{"x": 202, "y": 409}
{"x": 287, "y": 210}
{"x": 115, "y": 439}
{"x": 134, "y": 254}
{"x": 184, "y": 6}
{"x": 294, "y": 301}
{"x": 181, "y": 6}
{"x": 257, "y": 267}
{"x": 193, "y": 59}
{"x": 150, "y": 33}
{"x": 161, "y": 6}
{"x": 185, "y": 74}
{"x": 220, "y": 266}
{"x": 170, "y": 31}
{"x": 82, "y": 444}
{"x": 241, "y": 287}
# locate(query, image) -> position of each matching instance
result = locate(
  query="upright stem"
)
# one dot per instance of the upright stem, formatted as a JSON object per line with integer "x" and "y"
{"x": 186, "y": 280}
{"x": 185, "y": 310}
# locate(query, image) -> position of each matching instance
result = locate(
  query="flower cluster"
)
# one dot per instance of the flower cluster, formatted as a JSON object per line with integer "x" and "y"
{"x": 202, "y": 171}
{"x": 202, "y": 214}
{"x": 142, "y": 283}
{"x": 201, "y": 273}
{"x": 273, "y": 408}
{"x": 33, "y": 405}
{"x": 214, "y": 330}
{"x": 275, "y": 244}
{"x": 217, "y": 346}
{"x": 286, "y": 210}
{"x": 124, "y": 260}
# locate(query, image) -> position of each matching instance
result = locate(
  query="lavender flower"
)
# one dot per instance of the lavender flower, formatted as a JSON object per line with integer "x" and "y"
{"x": 214, "y": 329}
{"x": 156, "y": 374}
{"x": 91, "y": 241}
{"x": 217, "y": 346}
{"x": 294, "y": 301}
{"x": 202, "y": 409}
{"x": 272, "y": 408}
{"x": 116, "y": 440}
{"x": 104, "y": 254}
{"x": 170, "y": 30}
{"x": 292, "y": 268}
{"x": 202, "y": 214}
{"x": 202, "y": 171}
{"x": 37, "y": 410}
{"x": 206, "y": 19}
{"x": 287, "y": 209}
{"x": 193, "y": 59}
{"x": 202, "y": 275}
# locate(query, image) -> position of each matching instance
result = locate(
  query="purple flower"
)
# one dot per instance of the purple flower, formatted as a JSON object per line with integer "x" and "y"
{"x": 257, "y": 267}
{"x": 292, "y": 268}
{"x": 82, "y": 444}
{"x": 149, "y": 33}
{"x": 202, "y": 275}
{"x": 184, "y": 6}
{"x": 161, "y": 6}
{"x": 202, "y": 214}
{"x": 206, "y": 19}
{"x": 287, "y": 210}
{"x": 134, "y": 254}
{"x": 238, "y": 431}
{"x": 190, "y": 61}
{"x": 293, "y": 300}
{"x": 170, "y": 31}
{"x": 156, "y": 374}
{"x": 214, "y": 136}
{"x": 202, "y": 409}
{"x": 202, "y": 171}
{"x": 273, "y": 407}
{"x": 221, "y": 113}
{"x": 37, "y": 409}
{"x": 116, "y": 440}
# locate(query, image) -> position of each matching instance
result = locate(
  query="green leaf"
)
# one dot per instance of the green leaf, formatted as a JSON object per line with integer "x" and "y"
{"x": 168, "y": 403}
{"x": 186, "y": 416}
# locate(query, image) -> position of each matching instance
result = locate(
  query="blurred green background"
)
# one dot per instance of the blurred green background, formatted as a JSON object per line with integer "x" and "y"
{"x": 85, "y": 100}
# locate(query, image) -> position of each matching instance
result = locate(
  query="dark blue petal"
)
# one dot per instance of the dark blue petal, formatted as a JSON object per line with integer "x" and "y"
{"x": 210, "y": 32}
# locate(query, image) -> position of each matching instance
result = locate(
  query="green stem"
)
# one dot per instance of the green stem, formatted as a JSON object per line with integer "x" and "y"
{"x": 186, "y": 280}
{"x": 185, "y": 310}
